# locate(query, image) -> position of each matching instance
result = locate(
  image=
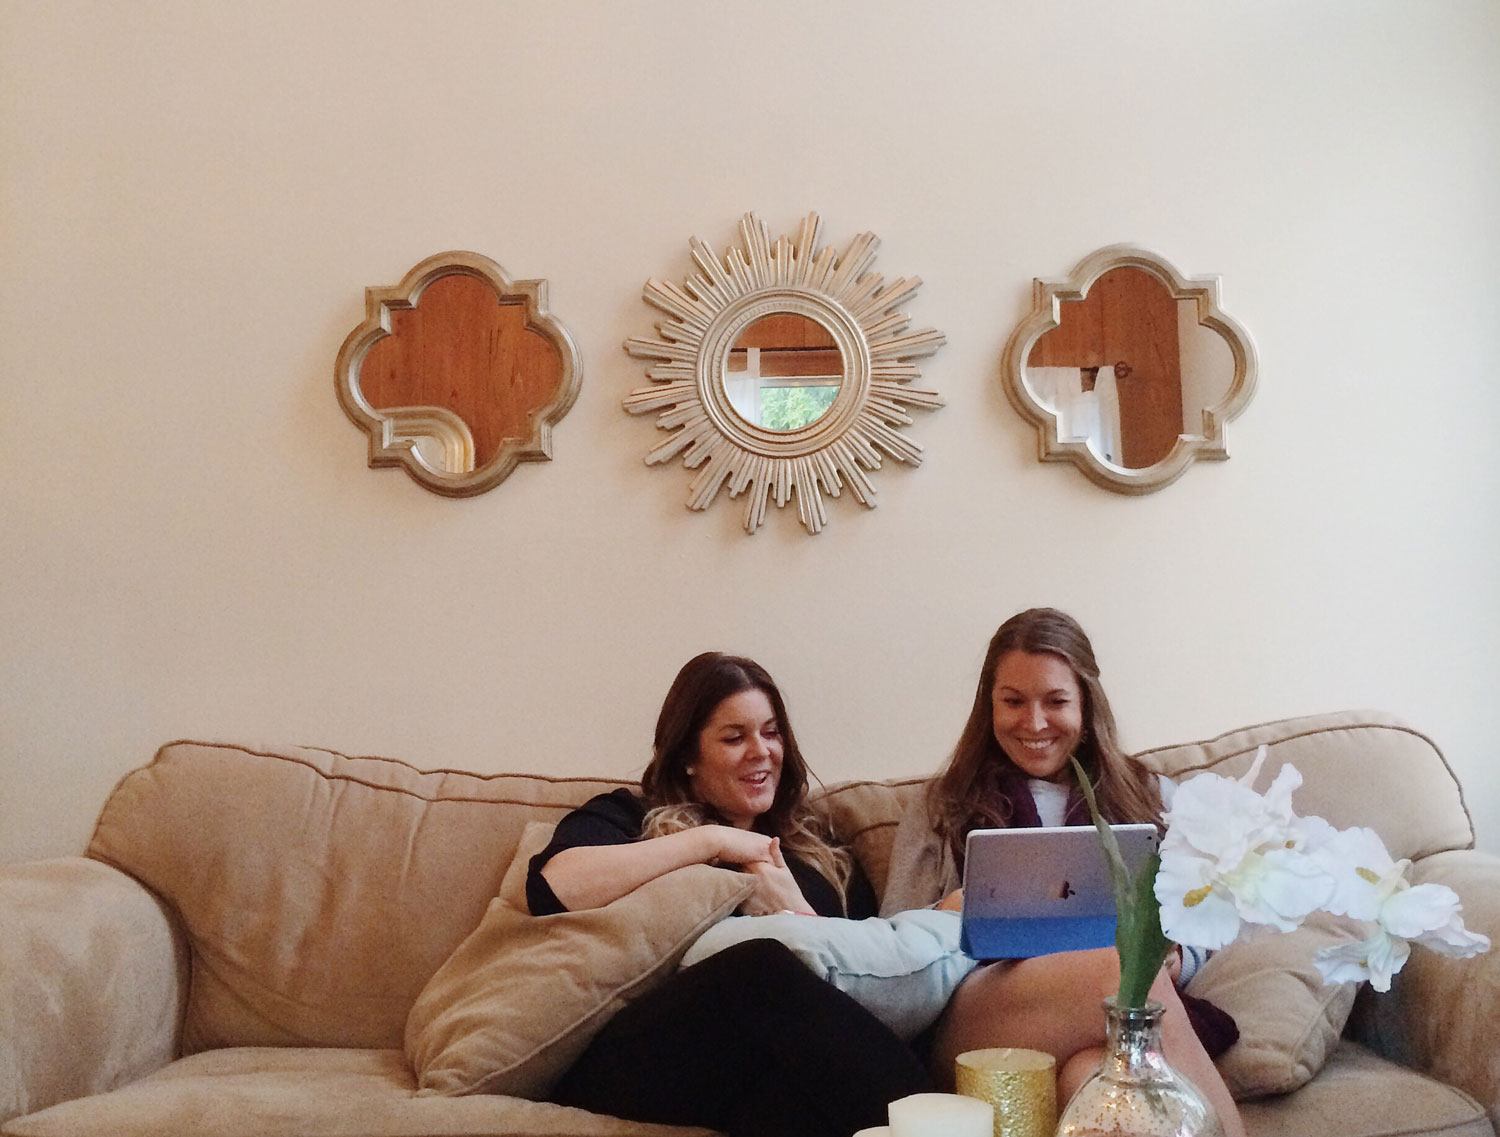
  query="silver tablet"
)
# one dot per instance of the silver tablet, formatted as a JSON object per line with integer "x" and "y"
{"x": 1037, "y": 891}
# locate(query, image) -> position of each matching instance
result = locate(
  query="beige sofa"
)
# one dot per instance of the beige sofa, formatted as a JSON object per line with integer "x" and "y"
{"x": 239, "y": 950}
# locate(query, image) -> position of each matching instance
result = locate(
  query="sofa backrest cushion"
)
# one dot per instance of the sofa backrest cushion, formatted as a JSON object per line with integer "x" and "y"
{"x": 319, "y": 892}
{"x": 1358, "y": 767}
{"x": 863, "y": 815}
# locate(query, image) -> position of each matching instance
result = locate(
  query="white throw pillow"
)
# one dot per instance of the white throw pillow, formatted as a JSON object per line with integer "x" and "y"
{"x": 902, "y": 969}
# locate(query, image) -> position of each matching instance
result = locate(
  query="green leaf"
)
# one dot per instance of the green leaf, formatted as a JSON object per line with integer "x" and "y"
{"x": 1138, "y": 937}
{"x": 1119, "y": 875}
{"x": 1139, "y": 941}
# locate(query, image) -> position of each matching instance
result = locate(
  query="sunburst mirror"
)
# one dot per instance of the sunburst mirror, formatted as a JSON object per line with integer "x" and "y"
{"x": 783, "y": 370}
{"x": 1129, "y": 370}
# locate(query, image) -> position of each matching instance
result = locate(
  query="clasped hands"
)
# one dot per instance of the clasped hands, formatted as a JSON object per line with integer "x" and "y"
{"x": 776, "y": 890}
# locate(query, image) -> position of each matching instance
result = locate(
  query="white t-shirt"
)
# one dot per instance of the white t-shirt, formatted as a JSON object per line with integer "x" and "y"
{"x": 1051, "y": 801}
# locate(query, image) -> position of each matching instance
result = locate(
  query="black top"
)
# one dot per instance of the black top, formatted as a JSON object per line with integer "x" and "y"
{"x": 616, "y": 819}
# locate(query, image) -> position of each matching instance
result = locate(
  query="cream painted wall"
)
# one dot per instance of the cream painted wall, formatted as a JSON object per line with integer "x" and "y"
{"x": 195, "y": 196}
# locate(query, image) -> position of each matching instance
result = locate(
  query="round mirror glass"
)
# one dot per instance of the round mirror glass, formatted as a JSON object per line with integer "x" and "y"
{"x": 783, "y": 372}
{"x": 1129, "y": 368}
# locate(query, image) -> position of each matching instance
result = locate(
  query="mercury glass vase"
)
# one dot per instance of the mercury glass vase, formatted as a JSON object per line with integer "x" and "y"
{"x": 1136, "y": 1093}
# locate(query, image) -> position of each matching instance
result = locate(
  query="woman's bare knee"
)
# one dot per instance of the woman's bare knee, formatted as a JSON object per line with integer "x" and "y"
{"x": 1050, "y": 1003}
{"x": 1075, "y": 1071}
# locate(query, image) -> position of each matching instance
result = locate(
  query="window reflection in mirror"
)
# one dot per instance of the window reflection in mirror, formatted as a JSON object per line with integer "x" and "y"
{"x": 1129, "y": 368}
{"x": 783, "y": 372}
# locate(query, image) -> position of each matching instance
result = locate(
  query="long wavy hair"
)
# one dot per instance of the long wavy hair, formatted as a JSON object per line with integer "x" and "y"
{"x": 704, "y": 682}
{"x": 968, "y": 793}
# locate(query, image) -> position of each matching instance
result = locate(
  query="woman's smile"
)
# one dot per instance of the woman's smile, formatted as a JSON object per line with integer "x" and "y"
{"x": 1037, "y": 712}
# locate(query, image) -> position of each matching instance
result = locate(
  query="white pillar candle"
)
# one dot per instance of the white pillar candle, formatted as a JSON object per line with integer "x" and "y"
{"x": 941, "y": 1115}
{"x": 875, "y": 1131}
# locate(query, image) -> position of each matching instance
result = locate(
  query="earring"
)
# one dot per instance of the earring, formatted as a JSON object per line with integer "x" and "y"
{"x": 690, "y": 770}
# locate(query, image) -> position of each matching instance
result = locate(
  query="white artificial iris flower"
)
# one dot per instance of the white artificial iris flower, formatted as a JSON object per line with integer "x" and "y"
{"x": 1373, "y": 887}
{"x": 1233, "y": 857}
{"x": 1375, "y": 959}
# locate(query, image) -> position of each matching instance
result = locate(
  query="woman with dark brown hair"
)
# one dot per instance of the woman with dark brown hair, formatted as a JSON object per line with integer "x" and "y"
{"x": 1039, "y": 704}
{"x": 750, "y": 1041}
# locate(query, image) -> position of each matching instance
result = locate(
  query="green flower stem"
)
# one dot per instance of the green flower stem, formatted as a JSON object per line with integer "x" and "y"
{"x": 1139, "y": 941}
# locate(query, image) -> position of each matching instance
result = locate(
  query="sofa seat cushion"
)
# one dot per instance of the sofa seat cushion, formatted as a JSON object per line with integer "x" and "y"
{"x": 1359, "y": 1094}
{"x": 308, "y": 1092}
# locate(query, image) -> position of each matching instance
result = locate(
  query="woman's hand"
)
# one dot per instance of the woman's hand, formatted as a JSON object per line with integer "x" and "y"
{"x": 728, "y": 845}
{"x": 1173, "y": 964}
{"x": 776, "y": 889}
{"x": 953, "y": 902}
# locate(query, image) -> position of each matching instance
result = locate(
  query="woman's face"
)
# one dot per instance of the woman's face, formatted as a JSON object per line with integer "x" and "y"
{"x": 739, "y": 758}
{"x": 1038, "y": 712}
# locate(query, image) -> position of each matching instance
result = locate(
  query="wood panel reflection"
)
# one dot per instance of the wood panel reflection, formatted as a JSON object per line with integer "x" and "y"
{"x": 463, "y": 350}
{"x": 1127, "y": 317}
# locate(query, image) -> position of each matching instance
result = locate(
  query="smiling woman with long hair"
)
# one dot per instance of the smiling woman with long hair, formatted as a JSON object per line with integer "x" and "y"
{"x": 981, "y": 787}
{"x": 750, "y": 1041}
{"x": 1038, "y": 705}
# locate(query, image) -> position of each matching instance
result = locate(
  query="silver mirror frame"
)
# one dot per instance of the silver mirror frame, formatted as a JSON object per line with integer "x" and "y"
{"x": 707, "y": 314}
{"x": 395, "y": 434}
{"x": 1047, "y": 298}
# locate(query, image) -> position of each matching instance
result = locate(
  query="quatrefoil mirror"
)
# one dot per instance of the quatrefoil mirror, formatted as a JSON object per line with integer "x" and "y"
{"x": 1129, "y": 370}
{"x": 783, "y": 370}
{"x": 458, "y": 373}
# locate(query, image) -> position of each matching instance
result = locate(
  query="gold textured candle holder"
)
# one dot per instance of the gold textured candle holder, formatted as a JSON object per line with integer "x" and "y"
{"x": 1020, "y": 1084}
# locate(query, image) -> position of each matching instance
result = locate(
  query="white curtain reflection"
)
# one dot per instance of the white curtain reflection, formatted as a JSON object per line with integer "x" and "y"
{"x": 743, "y": 387}
{"x": 1083, "y": 415}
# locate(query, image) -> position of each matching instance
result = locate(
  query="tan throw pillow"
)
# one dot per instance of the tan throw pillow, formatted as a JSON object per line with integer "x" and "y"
{"x": 523, "y": 996}
{"x": 1289, "y": 1019}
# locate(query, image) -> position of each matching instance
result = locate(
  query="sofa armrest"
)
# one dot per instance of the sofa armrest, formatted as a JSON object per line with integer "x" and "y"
{"x": 1440, "y": 1014}
{"x": 93, "y": 980}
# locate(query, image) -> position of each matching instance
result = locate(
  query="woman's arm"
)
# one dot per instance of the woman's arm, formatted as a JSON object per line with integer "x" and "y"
{"x": 591, "y": 876}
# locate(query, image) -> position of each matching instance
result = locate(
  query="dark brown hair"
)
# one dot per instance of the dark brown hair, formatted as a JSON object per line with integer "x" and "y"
{"x": 967, "y": 793}
{"x": 704, "y": 682}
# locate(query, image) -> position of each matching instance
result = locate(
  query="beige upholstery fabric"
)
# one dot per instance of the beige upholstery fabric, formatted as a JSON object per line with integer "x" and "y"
{"x": 864, "y": 816}
{"x": 319, "y": 892}
{"x": 92, "y": 982}
{"x": 1289, "y": 1019}
{"x": 1361, "y": 768}
{"x": 1441, "y": 1015}
{"x": 524, "y": 995}
{"x": 1358, "y": 1094}
{"x": 290, "y": 1092}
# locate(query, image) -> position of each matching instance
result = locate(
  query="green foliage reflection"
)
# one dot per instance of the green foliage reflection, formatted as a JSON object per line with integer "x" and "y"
{"x": 792, "y": 408}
